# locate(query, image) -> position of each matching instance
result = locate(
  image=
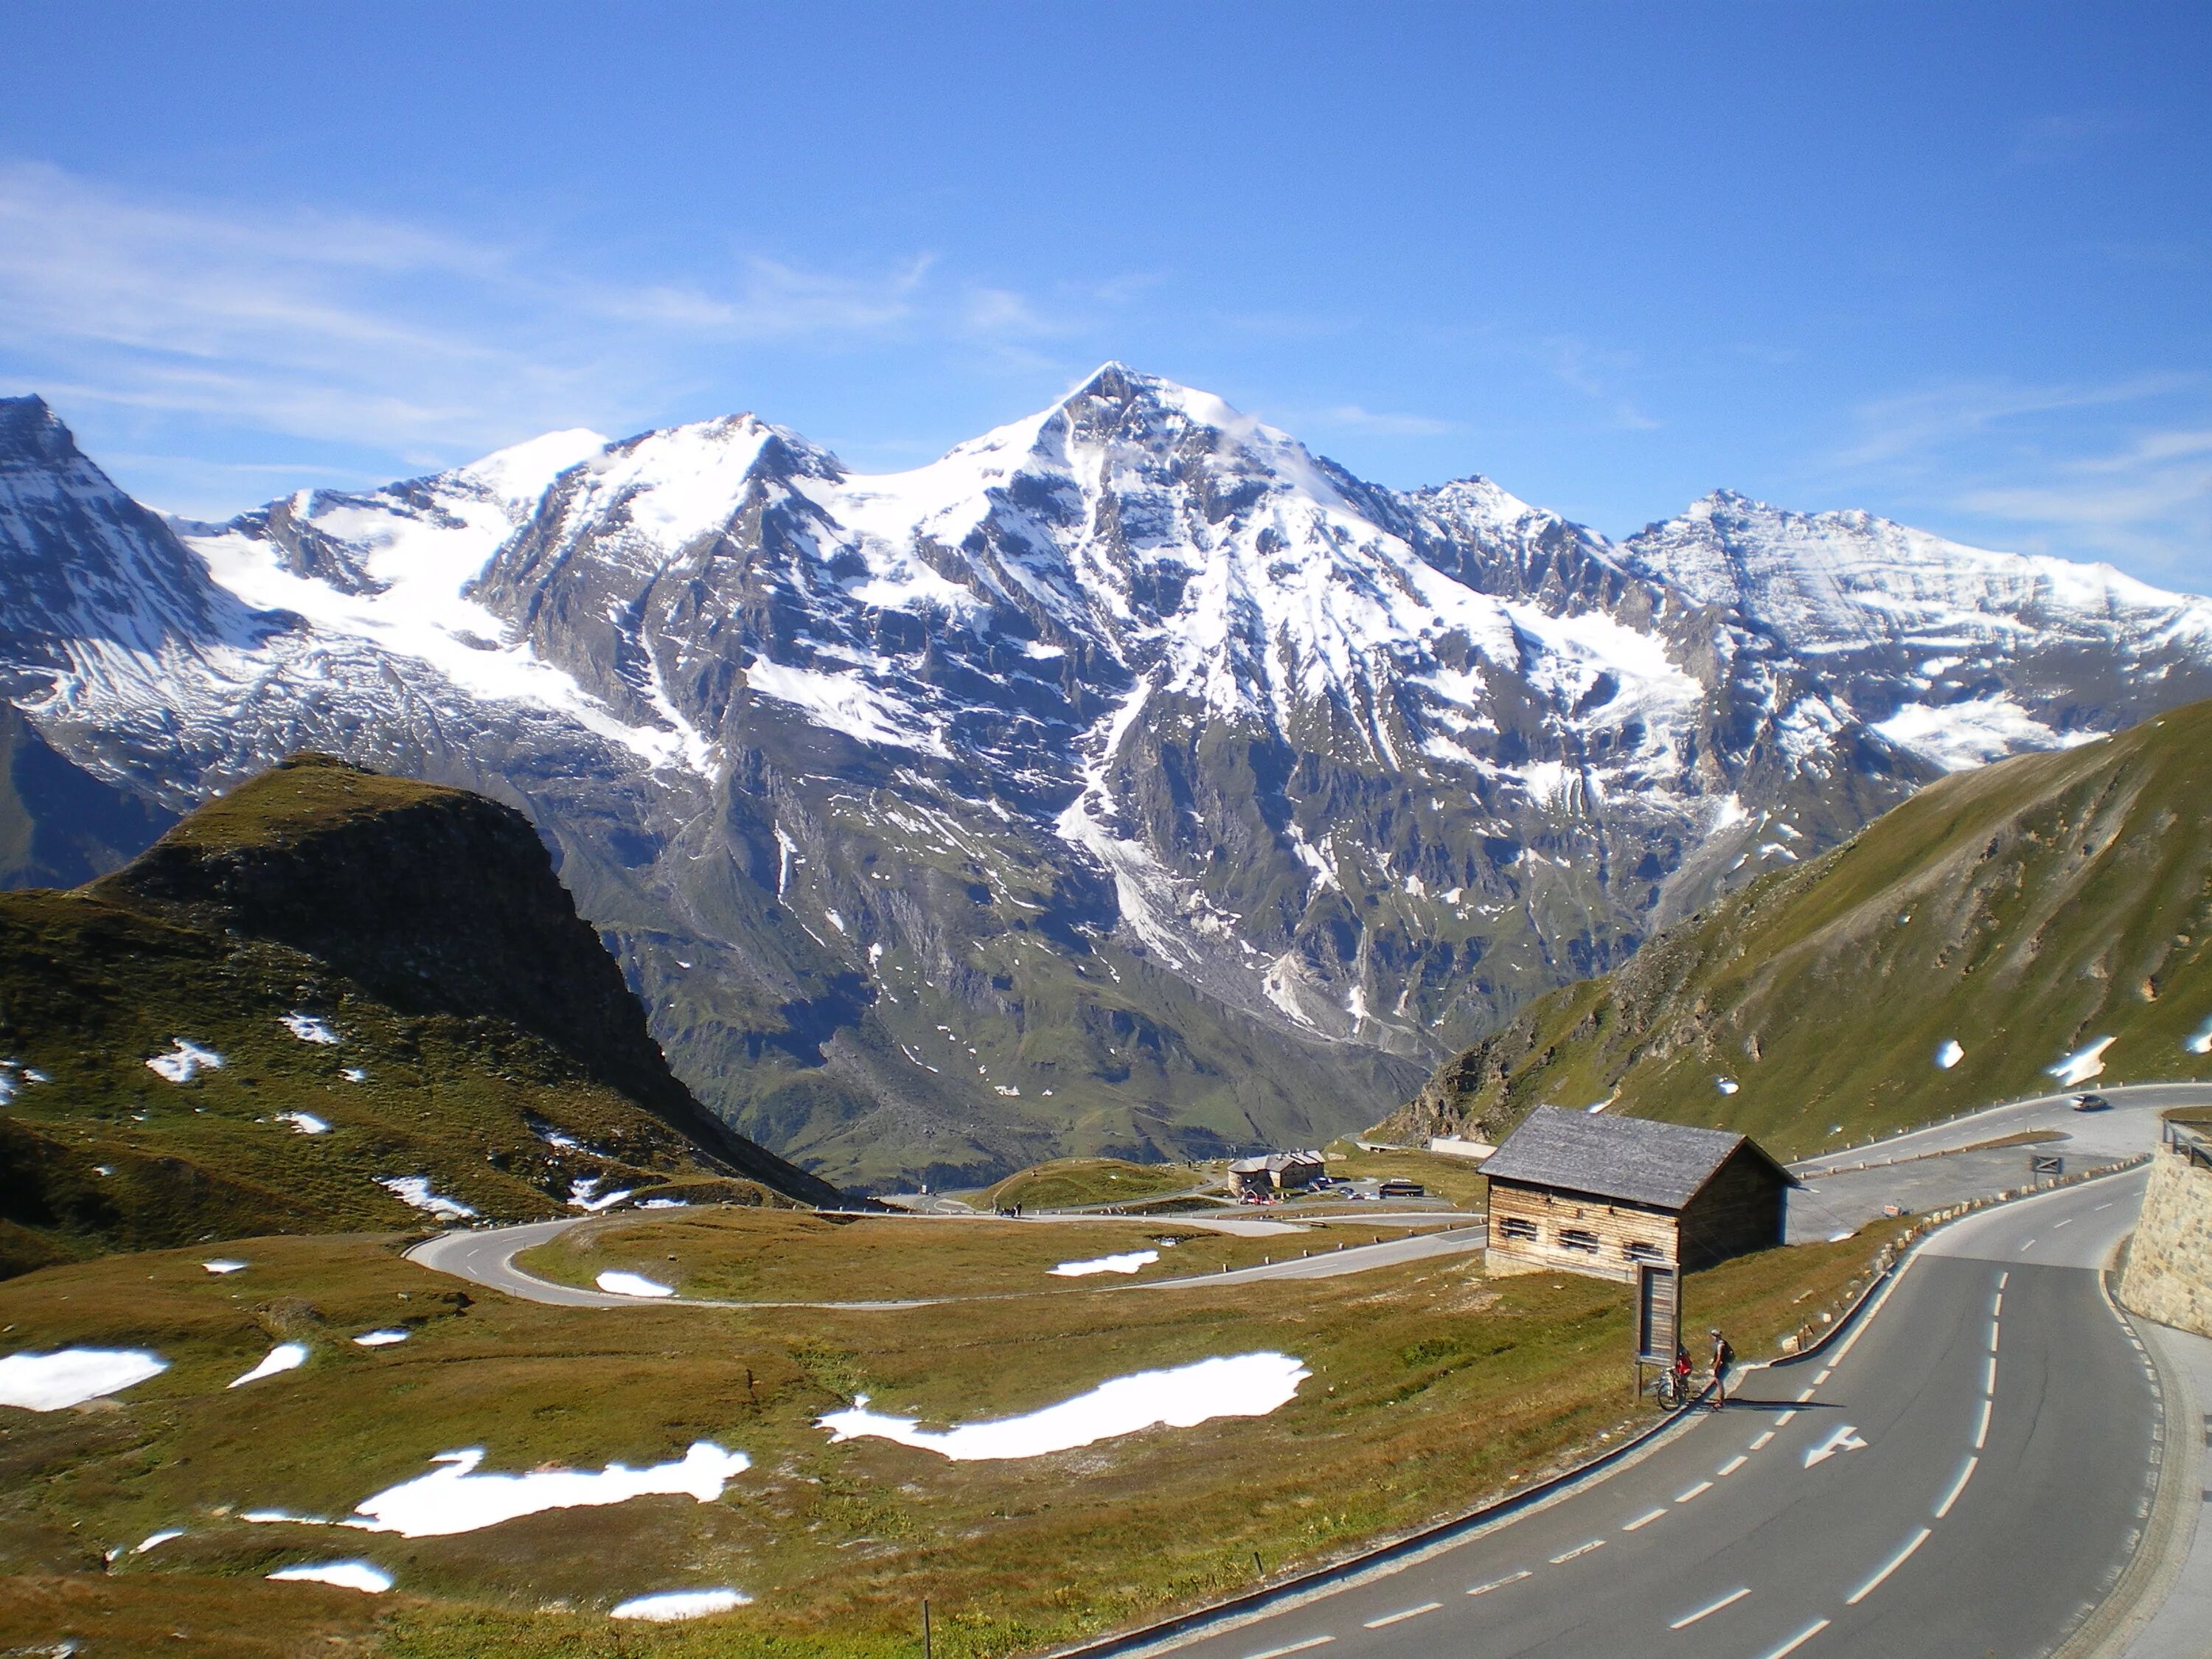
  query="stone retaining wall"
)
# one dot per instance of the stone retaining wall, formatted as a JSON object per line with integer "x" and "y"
{"x": 2169, "y": 1271}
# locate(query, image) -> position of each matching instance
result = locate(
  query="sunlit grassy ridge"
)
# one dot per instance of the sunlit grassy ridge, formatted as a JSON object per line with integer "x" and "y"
{"x": 2023, "y": 911}
{"x": 1071, "y": 1183}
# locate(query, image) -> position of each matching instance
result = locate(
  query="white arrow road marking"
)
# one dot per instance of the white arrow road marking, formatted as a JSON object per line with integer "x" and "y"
{"x": 1579, "y": 1549}
{"x": 1843, "y": 1440}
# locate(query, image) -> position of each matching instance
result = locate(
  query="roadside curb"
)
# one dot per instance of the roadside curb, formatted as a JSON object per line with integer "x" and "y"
{"x": 1892, "y": 1261}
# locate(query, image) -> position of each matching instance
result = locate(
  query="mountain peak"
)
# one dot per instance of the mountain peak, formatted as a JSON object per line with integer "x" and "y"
{"x": 31, "y": 432}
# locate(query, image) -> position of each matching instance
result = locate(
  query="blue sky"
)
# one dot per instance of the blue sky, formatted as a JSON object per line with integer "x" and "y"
{"x": 1950, "y": 263}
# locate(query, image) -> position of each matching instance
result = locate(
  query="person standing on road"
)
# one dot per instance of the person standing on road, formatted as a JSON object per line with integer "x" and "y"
{"x": 1724, "y": 1357}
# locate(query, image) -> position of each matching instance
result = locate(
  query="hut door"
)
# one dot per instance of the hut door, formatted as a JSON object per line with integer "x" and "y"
{"x": 1658, "y": 1313}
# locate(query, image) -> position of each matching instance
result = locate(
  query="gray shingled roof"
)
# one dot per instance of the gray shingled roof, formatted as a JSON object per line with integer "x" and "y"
{"x": 1635, "y": 1158}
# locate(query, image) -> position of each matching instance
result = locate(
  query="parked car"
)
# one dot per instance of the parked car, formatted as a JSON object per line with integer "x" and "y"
{"x": 2092, "y": 1104}
{"x": 1398, "y": 1186}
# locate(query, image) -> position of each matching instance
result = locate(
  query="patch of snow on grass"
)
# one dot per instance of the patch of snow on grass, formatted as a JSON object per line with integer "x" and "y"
{"x": 183, "y": 1062}
{"x": 284, "y": 1357}
{"x": 225, "y": 1265}
{"x": 379, "y": 1339}
{"x": 69, "y": 1376}
{"x": 1726, "y": 1085}
{"x": 454, "y": 1498}
{"x": 354, "y": 1074}
{"x": 622, "y": 1283}
{"x": 154, "y": 1539}
{"x": 306, "y": 1122}
{"x": 1108, "y": 1264}
{"x": 1245, "y": 1385}
{"x": 584, "y": 1194}
{"x": 2082, "y": 1065}
{"x": 1950, "y": 1054}
{"x": 667, "y": 1605}
{"x": 308, "y": 1029}
{"x": 2200, "y": 1043}
{"x": 416, "y": 1190}
{"x": 346, "y": 1574}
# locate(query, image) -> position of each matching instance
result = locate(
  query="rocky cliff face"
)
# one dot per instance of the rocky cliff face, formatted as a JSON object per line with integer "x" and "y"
{"x": 1128, "y": 781}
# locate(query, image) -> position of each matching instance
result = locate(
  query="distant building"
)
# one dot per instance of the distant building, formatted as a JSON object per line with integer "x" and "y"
{"x": 1278, "y": 1172}
{"x": 1594, "y": 1194}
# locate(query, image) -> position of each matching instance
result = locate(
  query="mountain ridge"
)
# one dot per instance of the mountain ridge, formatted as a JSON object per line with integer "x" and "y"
{"x": 1207, "y": 792}
{"x": 314, "y": 986}
{"x": 2011, "y": 930}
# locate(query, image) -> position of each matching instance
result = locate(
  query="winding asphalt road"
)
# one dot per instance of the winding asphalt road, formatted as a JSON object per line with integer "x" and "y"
{"x": 486, "y": 1256}
{"x": 1966, "y": 1474}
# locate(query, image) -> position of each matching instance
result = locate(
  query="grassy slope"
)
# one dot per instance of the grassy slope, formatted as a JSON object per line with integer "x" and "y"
{"x": 90, "y": 989}
{"x": 1069, "y": 1183}
{"x": 2023, "y": 910}
{"x": 784, "y": 1255}
{"x": 1431, "y": 1387}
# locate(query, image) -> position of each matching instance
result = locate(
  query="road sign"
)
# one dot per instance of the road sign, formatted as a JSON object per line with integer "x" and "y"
{"x": 1658, "y": 1313}
{"x": 2045, "y": 1163}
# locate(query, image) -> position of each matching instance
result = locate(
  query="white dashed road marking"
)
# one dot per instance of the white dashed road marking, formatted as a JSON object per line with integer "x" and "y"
{"x": 1579, "y": 1549}
{"x": 1702, "y": 1485}
{"x": 1643, "y": 1520}
{"x": 1895, "y": 1562}
{"x": 1295, "y": 1647}
{"x": 1958, "y": 1487}
{"x": 1982, "y": 1429}
{"x": 1500, "y": 1583}
{"x": 1729, "y": 1600}
{"x": 1395, "y": 1617}
{"x": 1798, "y": 1639}
{"x": 1734, "y": 1464}
{"x": 1762, "y": 1440}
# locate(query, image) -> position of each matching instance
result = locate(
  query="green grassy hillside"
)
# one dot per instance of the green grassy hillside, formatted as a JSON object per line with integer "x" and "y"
{"x": 451, "y": 1061}
{"x": 2023, "y": 912}
{"x": 1071, "y": 1182}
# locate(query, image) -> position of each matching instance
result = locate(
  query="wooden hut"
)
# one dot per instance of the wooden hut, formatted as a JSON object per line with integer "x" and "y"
{"x": 1593, "y": 1194}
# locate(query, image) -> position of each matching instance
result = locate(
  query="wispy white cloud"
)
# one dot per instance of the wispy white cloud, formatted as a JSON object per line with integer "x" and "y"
{"x": 2120, "y": 468}
{"x": 1597, "y": 374}
{"x": 426, "y": 345}
{"x": 1353, "y": 417}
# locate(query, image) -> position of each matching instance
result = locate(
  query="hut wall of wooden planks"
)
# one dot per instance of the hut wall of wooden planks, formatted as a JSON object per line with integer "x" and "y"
{"x": 1596, "y": 1194}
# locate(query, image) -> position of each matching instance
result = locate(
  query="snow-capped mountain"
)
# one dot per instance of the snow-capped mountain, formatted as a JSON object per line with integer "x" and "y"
{"x": 1128, "y": 779}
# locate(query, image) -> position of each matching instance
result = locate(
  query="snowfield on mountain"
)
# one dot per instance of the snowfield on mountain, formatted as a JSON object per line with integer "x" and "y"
{"x": 1199, "y": 792}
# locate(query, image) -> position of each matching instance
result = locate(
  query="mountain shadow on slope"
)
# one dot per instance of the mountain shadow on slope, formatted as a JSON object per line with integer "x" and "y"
{"x": 1957, "y": 951}
{"x": 59, "y": 825}
{"x": 393, "y": 985}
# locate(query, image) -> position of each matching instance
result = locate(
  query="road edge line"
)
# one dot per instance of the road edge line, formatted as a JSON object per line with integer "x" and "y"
{"x": 2141, "y": 1590}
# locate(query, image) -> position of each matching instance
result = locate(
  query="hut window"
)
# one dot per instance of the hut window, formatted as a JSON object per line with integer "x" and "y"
{"x": 1515, "y": 1227}
{"x": 1578, "y": 1238}
{"x": 1638, "y": 1251}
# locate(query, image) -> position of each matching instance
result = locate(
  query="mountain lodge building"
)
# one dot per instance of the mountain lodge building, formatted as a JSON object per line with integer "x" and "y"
{"x": 1583, "y": 1193}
